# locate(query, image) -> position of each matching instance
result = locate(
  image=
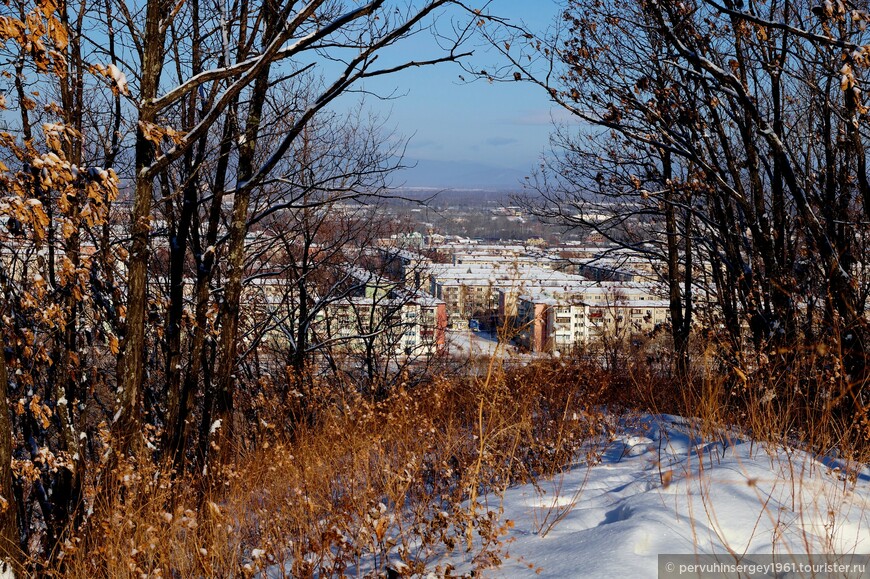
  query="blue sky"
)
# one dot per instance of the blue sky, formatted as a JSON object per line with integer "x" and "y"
{"x": 459, "y": 129}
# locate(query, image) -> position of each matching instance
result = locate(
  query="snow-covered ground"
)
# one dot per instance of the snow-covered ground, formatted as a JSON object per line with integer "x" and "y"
{"x": 659, "y": 489}
{"x": 462, "y": 342}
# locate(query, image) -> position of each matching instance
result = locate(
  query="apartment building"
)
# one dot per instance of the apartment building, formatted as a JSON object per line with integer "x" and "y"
{"x": 473, "y": 290}
{"x": 548, "y": 321}
{"x": 398, "y": 327}
{"x": 409, "y": 266}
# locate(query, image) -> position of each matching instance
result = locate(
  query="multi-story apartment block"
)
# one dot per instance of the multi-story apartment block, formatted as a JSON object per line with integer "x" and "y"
{"x": 474, "y": 290}
{"x": 494, "y": 289}
{"x": 549, "y": 321}
{"x": 409, "y": 266}
{"x": 365, "y": 310}
{"x": 399, "y": 327}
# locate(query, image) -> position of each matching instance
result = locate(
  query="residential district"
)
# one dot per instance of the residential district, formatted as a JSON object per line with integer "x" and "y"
{"x": 416, "y": 295}
{"x": 539, "y": 299}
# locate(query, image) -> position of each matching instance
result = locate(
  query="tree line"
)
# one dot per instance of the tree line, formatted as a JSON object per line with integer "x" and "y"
{"x": 157, "y": 158}
{"x": 726, "y": 140}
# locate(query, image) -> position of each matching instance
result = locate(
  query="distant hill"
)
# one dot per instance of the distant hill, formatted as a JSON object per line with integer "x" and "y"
{"x": 456, "y": 195}
{"x": 459, "y": 175}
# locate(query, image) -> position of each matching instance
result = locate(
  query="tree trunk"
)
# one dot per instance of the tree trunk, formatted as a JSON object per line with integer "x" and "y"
{"x": 131, "y": 362}
{"x": 9, "y": 548}
{"x": 678, "y": 333}
{"x": 222, "y": 425}
{"x": 178, "y": 244}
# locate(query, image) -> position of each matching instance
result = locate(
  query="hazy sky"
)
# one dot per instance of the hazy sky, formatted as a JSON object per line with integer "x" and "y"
{"x": 454, "y": 126}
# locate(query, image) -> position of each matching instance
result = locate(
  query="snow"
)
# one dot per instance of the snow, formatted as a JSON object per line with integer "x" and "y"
{"x": 660, "y": 489}
{"x": 215, "y": 426}
{"x": 119, "y": 77}
{"x": 464, "y": 342}
{"x": 6, "y": 571}
{"x": 656, "y": 486}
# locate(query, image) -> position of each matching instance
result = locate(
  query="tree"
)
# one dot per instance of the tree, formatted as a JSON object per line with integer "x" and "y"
{"x": 358, "y": 34}
{"x": 312, "y": 228}
{"x": 55, "y": 197}
{"x": 730, "y": 131}
{"x": 172, "y": 111}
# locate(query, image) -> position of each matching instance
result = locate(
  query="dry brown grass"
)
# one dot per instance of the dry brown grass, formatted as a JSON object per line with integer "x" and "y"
{"x": 404, "y": 481}
{"x": 370, "y": 484}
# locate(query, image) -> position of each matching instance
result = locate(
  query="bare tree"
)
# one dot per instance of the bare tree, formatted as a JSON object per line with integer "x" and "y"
{"x": 359, "y": 34}
{"x": 726, "y": 141}
{"x": 171, "y": 111}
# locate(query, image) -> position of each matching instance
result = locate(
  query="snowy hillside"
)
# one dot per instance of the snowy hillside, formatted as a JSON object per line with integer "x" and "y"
{"x": 659, "y": 490}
